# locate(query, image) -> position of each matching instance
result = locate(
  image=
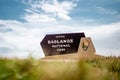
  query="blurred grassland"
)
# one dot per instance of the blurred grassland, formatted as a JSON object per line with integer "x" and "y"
{"x": 103, "y": 68}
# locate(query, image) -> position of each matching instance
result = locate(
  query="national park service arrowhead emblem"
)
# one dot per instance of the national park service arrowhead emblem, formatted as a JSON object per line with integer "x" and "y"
{"x": 86, "y": 46}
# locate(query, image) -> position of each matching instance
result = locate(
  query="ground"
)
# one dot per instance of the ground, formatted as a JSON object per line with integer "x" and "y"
{"x": 61, "y": 67}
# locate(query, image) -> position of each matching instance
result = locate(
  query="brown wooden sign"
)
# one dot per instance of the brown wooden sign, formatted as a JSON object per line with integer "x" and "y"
{"x": 56, "y": 44}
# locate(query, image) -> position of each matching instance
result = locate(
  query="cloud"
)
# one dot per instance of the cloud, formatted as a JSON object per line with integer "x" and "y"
{"x": 4, "y": 50}
{"x": 20, "y": 42}
{"x": 48, "y": 10}
{"x": 52, "y": 17}
{"x": 106, "y": 11}
{"x": 39, "y": 18}
{"x": 25, "y": 38}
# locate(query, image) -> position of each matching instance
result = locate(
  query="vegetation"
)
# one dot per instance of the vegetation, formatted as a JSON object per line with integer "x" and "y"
{"x": 103, "y": 68}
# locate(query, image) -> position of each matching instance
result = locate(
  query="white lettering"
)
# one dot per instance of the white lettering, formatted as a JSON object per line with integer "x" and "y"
{"x": 60, "y": 41}
{"x": 62, "y": 49}
{"x": 61, "y": 36}
{"x": 60, "y": 46}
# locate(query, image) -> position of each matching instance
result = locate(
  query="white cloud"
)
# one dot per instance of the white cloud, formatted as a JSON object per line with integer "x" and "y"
{"x": 39, "y": 18}
{"x": 106, "y": 11}
{"x": 25, "y": 37}
{"x": 21, "y": 39}
{"x": 48, "y": 10}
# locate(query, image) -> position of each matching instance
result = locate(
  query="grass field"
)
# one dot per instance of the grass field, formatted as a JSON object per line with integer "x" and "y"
{"x": 95, "y": 68}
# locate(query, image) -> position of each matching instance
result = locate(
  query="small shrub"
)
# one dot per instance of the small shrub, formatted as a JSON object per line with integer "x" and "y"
{"x": 114, "y": 65}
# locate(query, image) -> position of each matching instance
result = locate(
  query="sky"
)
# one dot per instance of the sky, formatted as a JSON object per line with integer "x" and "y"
{"x": 24, "y": 23}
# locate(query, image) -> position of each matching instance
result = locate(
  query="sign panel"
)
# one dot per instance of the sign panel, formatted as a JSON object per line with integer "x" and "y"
{"x": 57, "y": 44}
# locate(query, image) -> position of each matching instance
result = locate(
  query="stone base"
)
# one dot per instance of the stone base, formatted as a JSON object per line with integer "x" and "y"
{"x": 86, "y": 46}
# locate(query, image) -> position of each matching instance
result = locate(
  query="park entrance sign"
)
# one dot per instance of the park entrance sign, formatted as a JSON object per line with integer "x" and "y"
{"x": 57, "y": 44}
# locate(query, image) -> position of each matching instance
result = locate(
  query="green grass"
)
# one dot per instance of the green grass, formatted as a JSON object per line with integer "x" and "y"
{"x": 104, "y": 68}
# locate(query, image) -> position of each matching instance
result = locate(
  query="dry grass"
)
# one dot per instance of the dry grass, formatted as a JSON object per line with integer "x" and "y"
{"x": 64, "y": 67}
